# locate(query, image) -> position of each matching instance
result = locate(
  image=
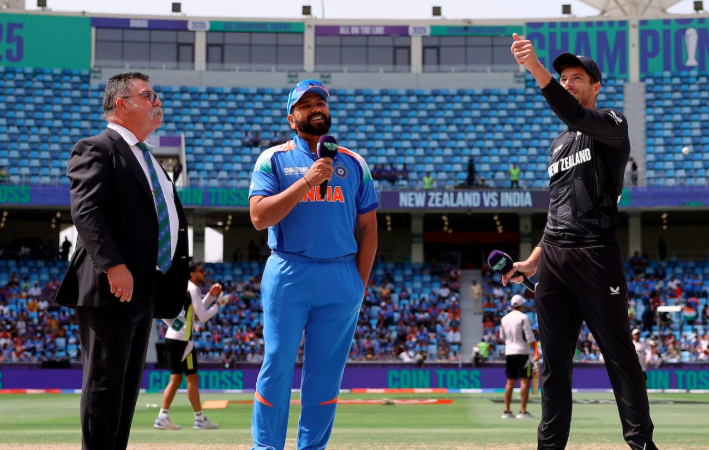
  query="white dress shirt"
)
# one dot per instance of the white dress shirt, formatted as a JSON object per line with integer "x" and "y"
{"x": 165, "y": 183}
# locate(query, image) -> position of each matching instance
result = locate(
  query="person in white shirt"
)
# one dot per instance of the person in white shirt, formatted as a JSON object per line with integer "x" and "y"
{"x": 43, "y": 305}
{"x": 181, "y": 355}
{"x": 497, "y": 292}
{"x": 642, "y": 350}
{"x": 476, "y": 293}
{"x": 516, "y": 332}
{"x": 34, "y": 291}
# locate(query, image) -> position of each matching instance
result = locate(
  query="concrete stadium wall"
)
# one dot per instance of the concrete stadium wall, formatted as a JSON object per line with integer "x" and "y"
{"x": 339, "y": 80}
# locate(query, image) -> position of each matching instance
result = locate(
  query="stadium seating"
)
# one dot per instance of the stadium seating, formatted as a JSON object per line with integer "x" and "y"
{"x": 45, "y": 112}
{"x": 645, "y": 295}
{"x": 677, "y": 113}
{"x": 429, "y": 131}
{"x": 391, "y": 321}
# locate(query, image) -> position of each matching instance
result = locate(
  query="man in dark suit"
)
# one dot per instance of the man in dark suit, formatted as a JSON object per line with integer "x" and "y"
{"x": 131, "y": 261}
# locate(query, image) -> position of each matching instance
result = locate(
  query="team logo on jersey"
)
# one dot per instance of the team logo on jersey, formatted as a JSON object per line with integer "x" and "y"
{"x": 340, "y": 171}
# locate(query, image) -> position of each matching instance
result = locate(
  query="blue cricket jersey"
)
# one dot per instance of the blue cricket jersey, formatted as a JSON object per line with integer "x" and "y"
{"x": 315, "y": 228}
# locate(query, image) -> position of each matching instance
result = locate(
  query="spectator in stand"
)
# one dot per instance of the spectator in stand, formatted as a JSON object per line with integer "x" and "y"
{"x": 497, "y": 292}
{"x": 376, "y": 172}
{"x": 176, "y": 171}
{"x": 697, "y": 285}
{"x": 392, "y": 175}
{"x": 246, "y": 139}
{"x": 633, "y": 171}
{"x": 514, "y": 176}
{"x": 444, "y": 292}
{"x": 662, "y": 248}
{"x": 253, "y": 251}
{"x": 404, "y": 294}
{"x": 404, "y": 173}
{"x": 428, "y": 181}
{"x": 476, "y": 293}
{"x": 256, "y": 139}
{"x": 275, "y": 140}
{"x": 34, "y": 291}
{"x": 4, "y": 176}
{"x": 470, "y": 179}
{"x": 66, "y": 247}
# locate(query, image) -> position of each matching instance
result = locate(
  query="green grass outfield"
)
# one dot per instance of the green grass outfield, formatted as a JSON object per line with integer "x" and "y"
{"x": 471, "y": 421}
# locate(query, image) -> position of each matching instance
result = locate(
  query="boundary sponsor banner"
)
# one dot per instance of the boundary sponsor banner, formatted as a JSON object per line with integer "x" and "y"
{"x": 362, "y": 378}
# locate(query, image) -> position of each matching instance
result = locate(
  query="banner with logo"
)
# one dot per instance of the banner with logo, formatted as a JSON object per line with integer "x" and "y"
{"x": 674, "y": 45}
{"x": 465, "y": 199}
{"x": 53, "y": 42}
{"x": 488, "y": 199}
{"x": 477, "y": 30}
{"x": 604, "y": 41}
{"x": 451, "y": 378}
{"x": 362, "y": 30}
{"x": 257, "y": 27}
{"x": 145, "y": 24}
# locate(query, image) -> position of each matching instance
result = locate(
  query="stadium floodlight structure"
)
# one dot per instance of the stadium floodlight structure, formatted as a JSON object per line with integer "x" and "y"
{"x": 632, "y": 8}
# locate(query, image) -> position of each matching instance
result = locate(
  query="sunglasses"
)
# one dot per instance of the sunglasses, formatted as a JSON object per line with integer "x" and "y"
{"x": 151, "y": 96}
{"x": 307, "y": 85}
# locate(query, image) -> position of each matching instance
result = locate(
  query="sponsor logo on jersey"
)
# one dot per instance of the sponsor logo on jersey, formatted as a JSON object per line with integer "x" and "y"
{"x": 295, "y": 170}
{"x": 569, "y": 162}
{"x": 334, "y": 195}
{"x": 340, "y": 171}
{"x": 615, "y": 291}
{"x": 558, "y": 148}
{"x": 615, "y": 117}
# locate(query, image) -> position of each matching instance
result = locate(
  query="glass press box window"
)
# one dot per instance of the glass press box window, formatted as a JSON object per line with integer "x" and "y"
{"x": 467, "y": 54}
{"x": 254, "y": 51}
{"x": 144, "y": 49}
{"x": 363, "y": 53}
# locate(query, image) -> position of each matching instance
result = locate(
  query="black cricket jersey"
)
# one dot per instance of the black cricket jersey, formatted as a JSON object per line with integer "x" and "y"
{"x": 585, "y": 172}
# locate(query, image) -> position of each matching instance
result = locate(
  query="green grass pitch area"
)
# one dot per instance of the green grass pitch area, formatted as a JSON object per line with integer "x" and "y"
{"x": 472, "y": 421}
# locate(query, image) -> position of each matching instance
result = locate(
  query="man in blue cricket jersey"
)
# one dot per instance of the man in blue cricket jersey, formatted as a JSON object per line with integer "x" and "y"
{"x": 322, "y": 254}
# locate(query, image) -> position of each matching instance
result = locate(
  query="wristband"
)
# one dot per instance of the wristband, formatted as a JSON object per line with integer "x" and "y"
{"x": 306, "y": 182}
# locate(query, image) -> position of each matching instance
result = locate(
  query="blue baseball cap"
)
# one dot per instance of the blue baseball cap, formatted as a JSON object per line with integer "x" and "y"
{"x": 303, "y": 87}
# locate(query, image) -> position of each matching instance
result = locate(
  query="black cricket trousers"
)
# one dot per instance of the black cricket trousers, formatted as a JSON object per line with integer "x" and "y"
{"x": 587, "y": 284}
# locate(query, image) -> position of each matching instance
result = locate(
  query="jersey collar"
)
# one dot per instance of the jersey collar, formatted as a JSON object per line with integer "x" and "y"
{"x": 302, "y": 146}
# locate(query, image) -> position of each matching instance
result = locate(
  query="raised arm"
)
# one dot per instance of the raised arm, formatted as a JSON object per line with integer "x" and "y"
{"x": 607, "y": 126}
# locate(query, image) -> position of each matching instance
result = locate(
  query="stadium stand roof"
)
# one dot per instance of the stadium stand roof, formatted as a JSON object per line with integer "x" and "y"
{"x": 632, "y": 8}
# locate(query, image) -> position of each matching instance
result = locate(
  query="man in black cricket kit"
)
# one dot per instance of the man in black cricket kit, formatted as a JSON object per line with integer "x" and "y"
{"x": 578, "y": 262}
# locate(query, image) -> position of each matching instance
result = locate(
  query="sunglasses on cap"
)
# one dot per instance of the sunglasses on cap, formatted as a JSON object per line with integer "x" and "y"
{"x": 307, "y": 84}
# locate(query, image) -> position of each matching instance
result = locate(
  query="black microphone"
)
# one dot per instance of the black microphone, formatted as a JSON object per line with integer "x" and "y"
{"x": 327, "y": 148}
{"x": 501, "y": 263}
